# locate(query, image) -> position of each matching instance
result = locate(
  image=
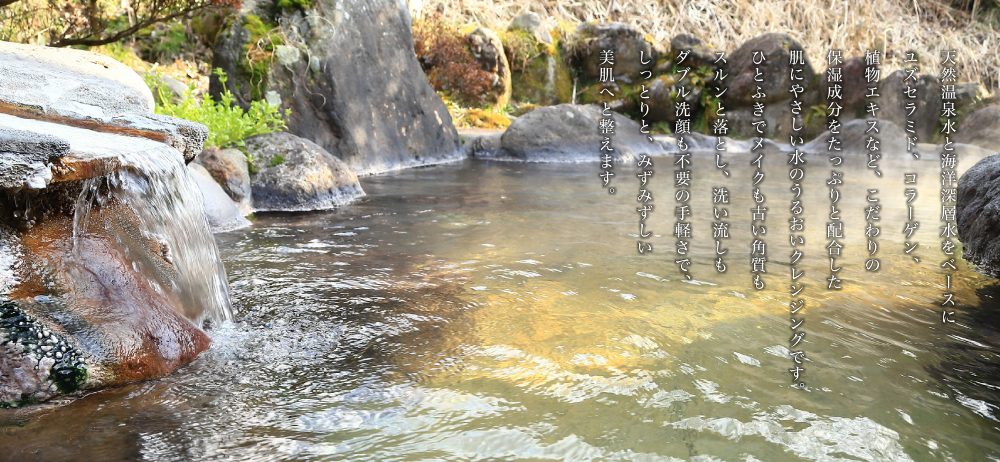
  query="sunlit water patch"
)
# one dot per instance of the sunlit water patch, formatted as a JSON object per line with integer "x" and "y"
{"x": 500, "y": 311}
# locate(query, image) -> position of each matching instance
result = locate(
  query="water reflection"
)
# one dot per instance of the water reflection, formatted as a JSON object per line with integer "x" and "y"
{"x": 500, "y": 311}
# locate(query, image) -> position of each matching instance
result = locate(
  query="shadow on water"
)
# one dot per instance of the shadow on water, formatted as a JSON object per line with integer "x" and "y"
{"x": 970, "y": 361}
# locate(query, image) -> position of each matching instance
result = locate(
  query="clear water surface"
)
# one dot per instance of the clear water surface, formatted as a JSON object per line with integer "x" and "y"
{"x": 500, "y": 311}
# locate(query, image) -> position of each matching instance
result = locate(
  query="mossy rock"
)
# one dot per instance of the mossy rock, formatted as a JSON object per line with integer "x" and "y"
{"x": 245, "y": 51}
{"x": 539, "y": 71}
{"x": 524, "y": 109}
{"x": 480, "y": 118}
{"x": 32, "y": 340}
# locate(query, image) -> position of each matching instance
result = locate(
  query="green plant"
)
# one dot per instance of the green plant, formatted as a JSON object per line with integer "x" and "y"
{"x": 228, "y": 124}
{"x": 520, "y": 47}
{"x": 484, "y": 118}
{"x": 119, "y": 52}
{"x": 167, "y": 42}
{"x": 276, "y": 160}
{"x": 294, "y": 4}
{"x": 258, "y": 54}
{"x": 815, "y": 111}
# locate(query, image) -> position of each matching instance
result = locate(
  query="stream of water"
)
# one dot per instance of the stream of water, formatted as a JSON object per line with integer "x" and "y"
{"x": 500, "y": 311}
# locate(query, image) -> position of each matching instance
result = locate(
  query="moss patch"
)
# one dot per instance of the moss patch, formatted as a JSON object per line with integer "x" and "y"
{"x": 258, "y": 53}
{"x": 294, "y": 4}
{"x": 539, "y": 74}
{"x": 482, "y": 118}
{"x": 68, "y": 373}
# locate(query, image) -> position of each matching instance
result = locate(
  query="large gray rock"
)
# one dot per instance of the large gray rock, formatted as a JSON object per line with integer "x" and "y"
{"x": 981, "y": 128}
{"x": 777, "y": 117}
{"x": 532, "y": 23}
{"x": 569, "y": 133}
{"x": 353, "y": 83}
{"x": 663, "y": 97}
{"x": 479, "y": 142}
{"x": 852, "y": 76}
{"x": 296, "y": 174}
{"x": 854, "y": 137}
{"x": 627, "y": 43}
{"x": 90, "y": 89}
{"x": 967, "y": 96}
{"x": 978, "y": 218}
{"x": 230, "y": 169}
{"x": 699, "y": 52}
{"x": 223, "y": 214}
{"x": 892, "y": 103}
{"x": 69, "y": 83}
{"x": 775, "y": 69}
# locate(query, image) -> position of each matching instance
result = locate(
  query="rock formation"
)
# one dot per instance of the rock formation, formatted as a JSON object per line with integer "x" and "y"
{"x": 297, "y": 175}
{"x": 107, "y": 265}
{"x": 348, "y": 72}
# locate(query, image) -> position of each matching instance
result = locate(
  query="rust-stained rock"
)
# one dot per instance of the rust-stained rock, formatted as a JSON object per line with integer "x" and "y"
{"x": 107, "y": 265}
{"x": 97, "y": 299}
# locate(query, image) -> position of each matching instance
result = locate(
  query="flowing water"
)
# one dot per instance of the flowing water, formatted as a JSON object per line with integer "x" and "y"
{"x": 155, "y": 184}
{"x": 166, "y": 199}
{"x": 500, "y": 311}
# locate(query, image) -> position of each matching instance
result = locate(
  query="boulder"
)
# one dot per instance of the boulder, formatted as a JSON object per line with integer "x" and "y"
{"x": 480, "y": 142}
{"x": 223, "y": 214}
{"x": 229, "y": 168}
{"x": 978, "y": 218}
{"x": 531, "y": 23}
{"x": 68, "y": 83}
{"x": 631, "y": 50}
{"x": 295, "y": 174}
{"x": 892, "y": 103}
{"x": 852, "y": 76}
{"x": 107, "y": 265}
{"x": 981, "y": 128}
{"x": 967, "y": 96}
{"x": 354, "y": 87}
{"x": 88, "y": 90}
{"x": 775, "y": 69}
{"x": 854, "y": 137}
{"x": 488, "y": 51}
{"x": 778, "y": 121}
{"x": 569, "y": 133}
{"x": 699, "y": 53}
{"x": 663, "y": 99}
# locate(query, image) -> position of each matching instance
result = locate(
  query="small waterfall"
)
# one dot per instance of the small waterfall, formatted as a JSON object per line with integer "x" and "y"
{"x": 550, "y": 76}
{"x": 152, "y": 180}
{"x": 81, "y": 213}
{"x": 156, "y": 186}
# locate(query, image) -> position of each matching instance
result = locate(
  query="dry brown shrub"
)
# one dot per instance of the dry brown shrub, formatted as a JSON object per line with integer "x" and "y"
{"x": 443, "y": 53}
{"x": 927, "y": 27}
